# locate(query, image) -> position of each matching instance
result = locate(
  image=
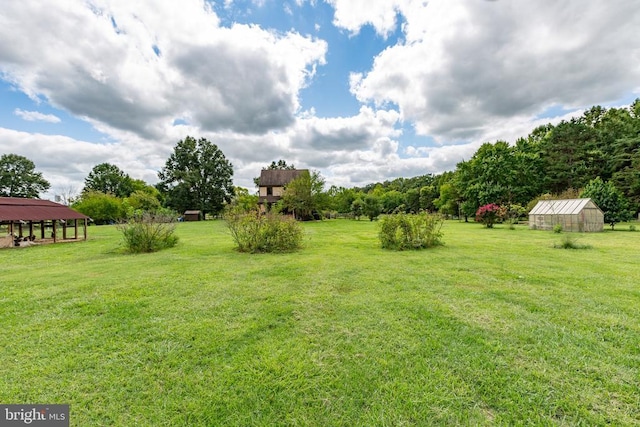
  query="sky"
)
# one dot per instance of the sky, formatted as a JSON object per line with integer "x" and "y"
{"x": 361, "y": 90}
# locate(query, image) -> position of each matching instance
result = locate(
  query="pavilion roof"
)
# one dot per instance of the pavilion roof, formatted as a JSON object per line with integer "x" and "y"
{"x": 21, "y": 209}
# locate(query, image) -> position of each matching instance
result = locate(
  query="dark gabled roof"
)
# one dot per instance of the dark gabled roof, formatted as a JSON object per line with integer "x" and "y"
{"x": 19, "y": 209}
{"x": 279, "y": 177}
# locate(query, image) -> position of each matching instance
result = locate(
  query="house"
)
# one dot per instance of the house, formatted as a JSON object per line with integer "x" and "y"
{"x": 32, "y": 219}
{"x": 272, "y": 184}
{"x": 571, "y": 214}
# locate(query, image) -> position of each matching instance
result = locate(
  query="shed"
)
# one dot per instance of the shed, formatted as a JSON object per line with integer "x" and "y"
{"x": 21, "y": 215}
{"x": 192, "y": 215}
{"x": 572, "y": 214}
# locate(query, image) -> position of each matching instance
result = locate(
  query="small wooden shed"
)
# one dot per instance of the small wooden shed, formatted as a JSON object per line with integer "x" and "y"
{"x": 580, "y": 215}
{"x": 192, "y": 215}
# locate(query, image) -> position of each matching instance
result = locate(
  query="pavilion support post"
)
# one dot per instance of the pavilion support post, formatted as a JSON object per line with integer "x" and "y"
{"x": 75, "y": 229}
{"x": 42, "y": 230}
{"x": 20, "y": 229}
{"x": 64, "y": 230}
{"x": 30, "y": 229}
{"x": 85, "y": 228}
{"x": 53, "y": 230}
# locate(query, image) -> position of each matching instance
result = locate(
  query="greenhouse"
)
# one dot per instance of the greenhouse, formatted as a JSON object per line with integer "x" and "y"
{"x": 580, "y": 215}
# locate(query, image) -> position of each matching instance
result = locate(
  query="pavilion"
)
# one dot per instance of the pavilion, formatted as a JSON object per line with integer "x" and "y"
{"x": 22, "y": 216}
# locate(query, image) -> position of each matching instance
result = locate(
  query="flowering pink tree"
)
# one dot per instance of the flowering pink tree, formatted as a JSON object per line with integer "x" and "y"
{"x": 488, "y": 214}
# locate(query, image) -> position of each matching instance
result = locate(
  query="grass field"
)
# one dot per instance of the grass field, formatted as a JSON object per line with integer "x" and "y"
{"x": 496, "y": 327}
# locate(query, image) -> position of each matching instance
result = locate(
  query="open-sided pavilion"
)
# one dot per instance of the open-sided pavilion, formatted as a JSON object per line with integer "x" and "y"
{"x": 22, "y": 215}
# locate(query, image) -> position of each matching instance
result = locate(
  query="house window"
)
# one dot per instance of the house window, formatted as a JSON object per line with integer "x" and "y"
{"x": 269, "y": 191}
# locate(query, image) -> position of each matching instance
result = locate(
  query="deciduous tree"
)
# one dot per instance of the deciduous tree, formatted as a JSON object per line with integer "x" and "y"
{"x": 109, "y": 179}
{"x": 609, "y": 199}
{"x": 243, "y": 201}
{"x": 18, "y": 177}
{"x": 100, "y": 207}
{"x": 412, "y": 200}
{"x": 197, "y": 176}
{"x": 304, "y": 195}
{"x": 372, "y": 207}
{"x": 357, "y": 208}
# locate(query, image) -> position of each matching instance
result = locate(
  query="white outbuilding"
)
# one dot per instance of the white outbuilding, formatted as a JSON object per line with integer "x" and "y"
{"x": 580, "y": 215}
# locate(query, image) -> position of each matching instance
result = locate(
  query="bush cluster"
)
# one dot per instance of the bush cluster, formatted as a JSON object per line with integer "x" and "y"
{"x": 149, "y": 232}
{"x": 489, "y": 214}
{"x": 410, "y": 231}
{"x": 270, "y": 232}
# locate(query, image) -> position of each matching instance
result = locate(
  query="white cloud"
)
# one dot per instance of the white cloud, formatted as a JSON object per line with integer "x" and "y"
{"x": 346, "y": 133}
{"x": 353, "y": 14}
{"x": 34, "y": 116}
{"x": 134, "y": 66}
{"x": 65, "y": 161}
{"x": 469, "y": 64}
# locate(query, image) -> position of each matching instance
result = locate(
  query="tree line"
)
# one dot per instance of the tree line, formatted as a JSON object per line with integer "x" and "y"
{"x": 197, "y": 176}
{"x": 596, "y": 152}
{"x": 599, "y": 151}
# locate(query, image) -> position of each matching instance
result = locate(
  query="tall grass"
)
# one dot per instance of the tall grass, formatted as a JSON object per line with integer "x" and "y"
{"x": 410, "y": 231}
{"x": 148, "y": 232}
{"x": 264, "y": 232}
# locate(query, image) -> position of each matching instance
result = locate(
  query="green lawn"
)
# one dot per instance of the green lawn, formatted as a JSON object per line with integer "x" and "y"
{"x": 496, "y": 327}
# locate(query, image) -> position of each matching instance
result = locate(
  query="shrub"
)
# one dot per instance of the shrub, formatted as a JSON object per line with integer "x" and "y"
{"x": 632, "y": 227}
{"x": 557, "y": 228}
{"x": 410, "y": 231}
{"x": 488, "y": 214}
{"x": 570, "y": 242}
{"x": 514, "y": 212}
{"x": 149, "y": 232}
{"x": 271, "y": 232}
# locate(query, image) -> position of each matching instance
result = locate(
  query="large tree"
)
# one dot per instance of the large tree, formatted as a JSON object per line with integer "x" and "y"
{"x": 18, "y": 177}
{"x": 109, "y": 179}
{"x": 609, "y": 199}
{"x": 570, "y": 156}
{"x": 304, "y": 195}
{"x": 197, "y": 176}
{"x": 372, "y": 206}
{"x": 628, "y": 180}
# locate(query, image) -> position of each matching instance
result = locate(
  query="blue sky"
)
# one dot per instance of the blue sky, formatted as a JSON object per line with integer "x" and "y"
{"x": 361, "y": 90}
